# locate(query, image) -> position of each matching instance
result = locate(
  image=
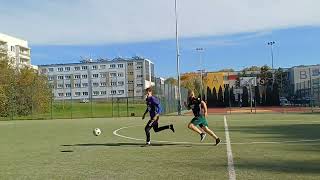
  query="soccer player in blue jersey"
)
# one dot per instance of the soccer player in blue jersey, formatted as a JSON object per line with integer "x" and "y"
{"x": 200, "y": 111}
{"x": 154, "y": 109}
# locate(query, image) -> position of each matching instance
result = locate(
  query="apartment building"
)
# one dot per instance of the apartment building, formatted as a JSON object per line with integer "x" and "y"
{"x": 99, "y": 79}
{"x": 15, "y": 48}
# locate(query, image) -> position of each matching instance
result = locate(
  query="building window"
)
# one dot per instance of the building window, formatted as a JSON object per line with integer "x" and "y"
{"x": 50, "y": 78}
{"x": 113, "y": 92}
{"x": 85, "y": 93}
{"x": 139, "y": 85}
{"x": 60, "y": 69}
{"x": 102, "y": 66}
{"x": 120, "y": 74}
{"x": 130, "y": 73}
{"x": 130, "y": 82}
{"x": 12, "y": 49}
{"x": 60, "y": 86}
{"x": 113, "y": 83}
{"x": 84, "y": 76}
{"x": 60, "y": 94}
{"x": 43, "y": 71}
{"x": 67, "y": 68}
{"x": 113, "y": 74}
{"x": 50, "y": 69}
{"x": 84, "y": 67}
{"x": 77, "y": 76}
{"x": 103, "y": 84}
{"x": 139, "y": 63}
{"x": 68, "y": 94}
{"x": 67, "y": 77}
{"x": 139, "y": 67}
{"x": 95, "y": 67}
{"x": 68, "y": 85}
{"x": 139, "y": 76}
{"x": 95, "y": 75}
{"x": 103, "y": 75}
{"x": 95, "y": 84}
{"x": 103, "y": 92}
{"x": 130, "y": 64}
{"x": 121, "y": 92}
{"x": 60, "y": 77}
{"x": 120, "y": 83}
{"x": 120, "y": 65}
{"x": 96, "y": 93}
{"x": 112, "y": 66}
{"x": 77, "y": 85}
{"x": 77, "y": 68}
{"x": 84, "y": 84}
{"x": 51, "y": 86}
{"x": 77, "y": 93}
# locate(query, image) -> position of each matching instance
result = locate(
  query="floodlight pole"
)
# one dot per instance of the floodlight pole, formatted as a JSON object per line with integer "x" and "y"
{"x": 178, "y": 58}
{"x": 271, "y": 43}
{"x": 200, "y": 50}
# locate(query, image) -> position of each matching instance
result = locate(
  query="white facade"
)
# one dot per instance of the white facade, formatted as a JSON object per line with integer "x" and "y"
{"x": 100, "y": 79}
{"x": 17, "y": 49}
{"x": 303, "y": 74}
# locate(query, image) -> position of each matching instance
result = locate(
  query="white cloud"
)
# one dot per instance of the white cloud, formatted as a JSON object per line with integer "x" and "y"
{"x": 113, "y": 21}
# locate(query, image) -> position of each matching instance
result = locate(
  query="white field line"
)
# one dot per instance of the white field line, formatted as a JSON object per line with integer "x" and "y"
{"x": 232, "y": 172}
{"x": 116, "y": 133}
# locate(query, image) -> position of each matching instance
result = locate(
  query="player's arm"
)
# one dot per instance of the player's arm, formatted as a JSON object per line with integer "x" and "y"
{"x": 205, "y": 109}
{"x": 144, "y": 114}
{"x": 158, "y": 110}
{"x": 187, "y": 105}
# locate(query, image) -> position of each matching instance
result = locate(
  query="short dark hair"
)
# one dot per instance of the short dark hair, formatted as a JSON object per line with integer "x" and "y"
{"x": 149, "y": 89}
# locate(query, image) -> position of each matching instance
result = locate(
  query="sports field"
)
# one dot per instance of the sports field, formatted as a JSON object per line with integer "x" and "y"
{"x": 263, "y": 146}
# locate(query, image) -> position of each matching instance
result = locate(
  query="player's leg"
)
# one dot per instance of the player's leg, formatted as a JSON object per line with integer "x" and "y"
{"x": 193, "y": 126}
{"x": 147, "y": 131}
{"x": 204, "y": 126}
{"x": 156, "y": 127}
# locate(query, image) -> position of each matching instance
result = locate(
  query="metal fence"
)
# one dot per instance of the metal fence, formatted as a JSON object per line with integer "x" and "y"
{"x": 92, "y": 107}
{"x": 307, "y": 93}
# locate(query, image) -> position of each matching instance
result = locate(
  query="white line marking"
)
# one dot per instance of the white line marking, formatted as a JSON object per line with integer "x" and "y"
{"x": 232, "y": 173}
{"x": 115, "y": 132}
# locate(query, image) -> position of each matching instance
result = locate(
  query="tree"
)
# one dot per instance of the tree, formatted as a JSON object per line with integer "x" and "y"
{"x": 220, "y": 97}
{"x": 232, "y": 97}
{"x": 257, "y": 95}
{"x": 171, "y": 80}
{"x": 245, "y": 97}
{"x": 275, "y": 95}
{"x": 268, "y": 101}
{"x": 209, "y": 97}
{"x": 226, "y": 70}
{"x": 227, "y": 96}
{"x": 214, "y": 97}
{"x": 23, "y": 91}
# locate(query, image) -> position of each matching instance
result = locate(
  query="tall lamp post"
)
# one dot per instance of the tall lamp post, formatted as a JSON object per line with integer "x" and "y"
{"x": 201, "y": 50}
{"x": 271, "y": 43}
{"x": 178, "y": 58}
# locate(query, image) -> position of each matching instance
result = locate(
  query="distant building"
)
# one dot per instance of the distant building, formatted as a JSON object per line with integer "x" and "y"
{"x": 100, "y": 79}
{"x": 15, "y": 48}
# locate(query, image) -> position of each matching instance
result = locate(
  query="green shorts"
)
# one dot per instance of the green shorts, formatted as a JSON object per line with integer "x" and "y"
{"x": 199, "y": 121}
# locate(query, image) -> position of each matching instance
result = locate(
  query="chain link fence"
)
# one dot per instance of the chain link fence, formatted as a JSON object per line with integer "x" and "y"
{"x": 28, "y": 106}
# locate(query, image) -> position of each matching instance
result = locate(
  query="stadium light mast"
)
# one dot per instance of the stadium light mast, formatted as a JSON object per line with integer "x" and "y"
{"x": 178, "y": 58}
{"x": 271, "y": 43}
{"x": 200, "y": 50}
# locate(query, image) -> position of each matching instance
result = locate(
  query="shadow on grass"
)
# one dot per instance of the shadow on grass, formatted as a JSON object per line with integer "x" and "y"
{"x": 129, "y": 144}
{"x": 300, "y": 167}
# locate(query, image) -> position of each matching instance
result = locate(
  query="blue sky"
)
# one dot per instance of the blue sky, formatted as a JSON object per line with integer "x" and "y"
{"x": 233, "y": 33}
{"x": 294, "y": 46}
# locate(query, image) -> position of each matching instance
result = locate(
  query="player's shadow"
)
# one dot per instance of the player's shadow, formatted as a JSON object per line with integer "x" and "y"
{"x": 128, "y": 144}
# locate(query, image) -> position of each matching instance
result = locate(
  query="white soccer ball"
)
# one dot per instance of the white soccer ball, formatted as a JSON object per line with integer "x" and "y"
{"x": 96, "y": 131}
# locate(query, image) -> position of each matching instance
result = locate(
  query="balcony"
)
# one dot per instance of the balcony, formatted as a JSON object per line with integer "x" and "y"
{"x": 24, "y": 51}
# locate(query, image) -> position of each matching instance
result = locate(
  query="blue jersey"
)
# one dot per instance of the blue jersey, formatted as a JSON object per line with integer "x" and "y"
{"x": 153, "y": 106}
